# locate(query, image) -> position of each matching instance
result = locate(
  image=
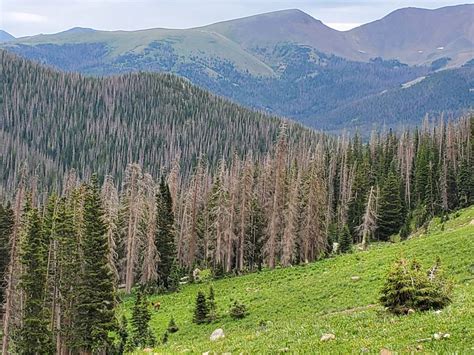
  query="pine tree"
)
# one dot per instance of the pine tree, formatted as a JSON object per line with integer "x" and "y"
{"x": 466, "y": 183}
{"x": 6, "y": 229}
{"x": 345, "y": 240}
{"x": 201, "y": 310}
{"x": 172, "y": 327}
{"x": 142, "y": 335}
{"x": 96, "y": 301}
{"x": 211, "y": 301}
{"x": 34, "y": 332}
{"x": 68, "y": 277}
{"x": 123, "y": 335}
{"x": 165, "y": 234}
{"x": 255, "y": 236}
{"x": 390, "y": 208}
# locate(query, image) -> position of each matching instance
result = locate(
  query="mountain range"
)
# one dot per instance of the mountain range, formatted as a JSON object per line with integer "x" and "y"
{"x": 290, "y": 64}
{"x": 5, "y": 36}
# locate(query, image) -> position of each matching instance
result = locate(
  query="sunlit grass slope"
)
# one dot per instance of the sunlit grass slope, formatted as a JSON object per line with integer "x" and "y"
{"x": 289, "y": 309}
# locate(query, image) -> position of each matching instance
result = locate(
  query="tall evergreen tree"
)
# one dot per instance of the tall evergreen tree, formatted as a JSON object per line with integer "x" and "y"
{"x": 345, "y": 240}
{"x": 68, "y": 278}
{"x": 165, "y": 234}
{"x": 255, "y": 236}
{"x": 142, "y": 335}
{"x": 466, "y": 183}
{"x": 201, "y": 309}
{"x": 6, "y": 229}
{"x": 34, "y": 332}
{"x": 390, "y": 208}
{"x": 96, "y": 300}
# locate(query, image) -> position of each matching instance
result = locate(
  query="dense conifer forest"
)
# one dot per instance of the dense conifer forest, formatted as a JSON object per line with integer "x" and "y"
{"x": 134, "y": 182}
{"x": 57, "y": 121}
{"x": 65, "y": 259}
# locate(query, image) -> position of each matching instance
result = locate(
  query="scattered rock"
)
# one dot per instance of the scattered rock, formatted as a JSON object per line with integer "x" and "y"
{"x": 364, "y": 350}
{"x": 472, "y": 222}
{"x": 355, "y": 278}
{"x": 327, "y": 337}
{"x": 284, "y": 350}
{"x": 438, "y": 311}
{"x": 197, "y": 275}
{"x": 147, "y": 350}
{"x": 411, "y": 311}
{"x": 439, "y": 336}
{"x": 419, "y": 347}
{"x": 385, "y": 352}
{"x": 217, "y": 334}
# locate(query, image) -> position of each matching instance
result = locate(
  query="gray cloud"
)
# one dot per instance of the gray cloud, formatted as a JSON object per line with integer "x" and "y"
{"x": 28, "y": 17}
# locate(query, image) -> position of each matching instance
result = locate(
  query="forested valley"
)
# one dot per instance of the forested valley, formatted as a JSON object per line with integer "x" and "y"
{"x": 67, "y": 254}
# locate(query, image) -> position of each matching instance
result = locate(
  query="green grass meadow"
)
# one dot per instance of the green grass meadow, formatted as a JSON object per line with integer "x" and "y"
{"x": 289, "y": 309}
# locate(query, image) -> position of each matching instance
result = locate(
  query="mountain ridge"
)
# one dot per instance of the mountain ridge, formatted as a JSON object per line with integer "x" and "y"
{"x": 279, "y": 62}
{"x": 5, "y": 36}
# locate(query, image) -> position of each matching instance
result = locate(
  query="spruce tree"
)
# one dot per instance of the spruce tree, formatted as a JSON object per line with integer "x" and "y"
{"x": 466, "y": 183}
{"x": 68, "y": 275}
{"x": 255, "y": 236}
{"x": 211, "y": 301}
{"x": 96, "y": 300}
{"x": 165, "y": 234}
{"x": 390, "y": 211}
{"x": 201, "y": 310}
{"x": 6, "y": 229}
{"x": 345, "y": 240}
{"x": 172, "y": 326}
{"x": 142, "y": 335}
{"x": 123, "y": 335}
{"x": 34, "y": 332}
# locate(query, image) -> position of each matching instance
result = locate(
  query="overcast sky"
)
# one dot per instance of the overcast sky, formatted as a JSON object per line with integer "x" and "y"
{"x": 28, "y": 17}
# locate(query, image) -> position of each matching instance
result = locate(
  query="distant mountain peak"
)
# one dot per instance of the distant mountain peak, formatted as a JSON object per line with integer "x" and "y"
{"x": 79, "y": 30}
{"x": 285, "y": 17}
{"x": 5, "y": 36}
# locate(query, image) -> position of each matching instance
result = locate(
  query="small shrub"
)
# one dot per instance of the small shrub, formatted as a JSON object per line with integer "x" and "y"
{"x": 172, "y": 327}
{"x": 238, "y": 310}
{"x": 211, "y": 301}
{"x": 409, "y": 287}
{"x": 201, "y": 310}
{"x": 164, "y": 338}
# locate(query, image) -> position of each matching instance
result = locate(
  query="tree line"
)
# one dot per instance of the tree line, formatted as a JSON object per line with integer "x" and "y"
{"x": 66, "y": 253}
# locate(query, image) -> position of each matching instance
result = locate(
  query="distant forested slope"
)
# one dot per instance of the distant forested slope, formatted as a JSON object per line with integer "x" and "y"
{"x": 58, "y": 121}
{"x": 322, "y": 91}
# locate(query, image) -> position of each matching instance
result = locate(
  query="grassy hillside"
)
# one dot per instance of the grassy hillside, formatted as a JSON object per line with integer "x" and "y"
{"x": 291, "y": 308}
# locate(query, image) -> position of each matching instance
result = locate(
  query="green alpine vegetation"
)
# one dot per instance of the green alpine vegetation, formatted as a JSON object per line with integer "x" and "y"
{"x": 289, "y": 310}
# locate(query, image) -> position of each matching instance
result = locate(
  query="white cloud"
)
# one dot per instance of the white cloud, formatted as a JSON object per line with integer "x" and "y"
{"x": 23, "y": 17}
{"x": 343, "y": 26}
